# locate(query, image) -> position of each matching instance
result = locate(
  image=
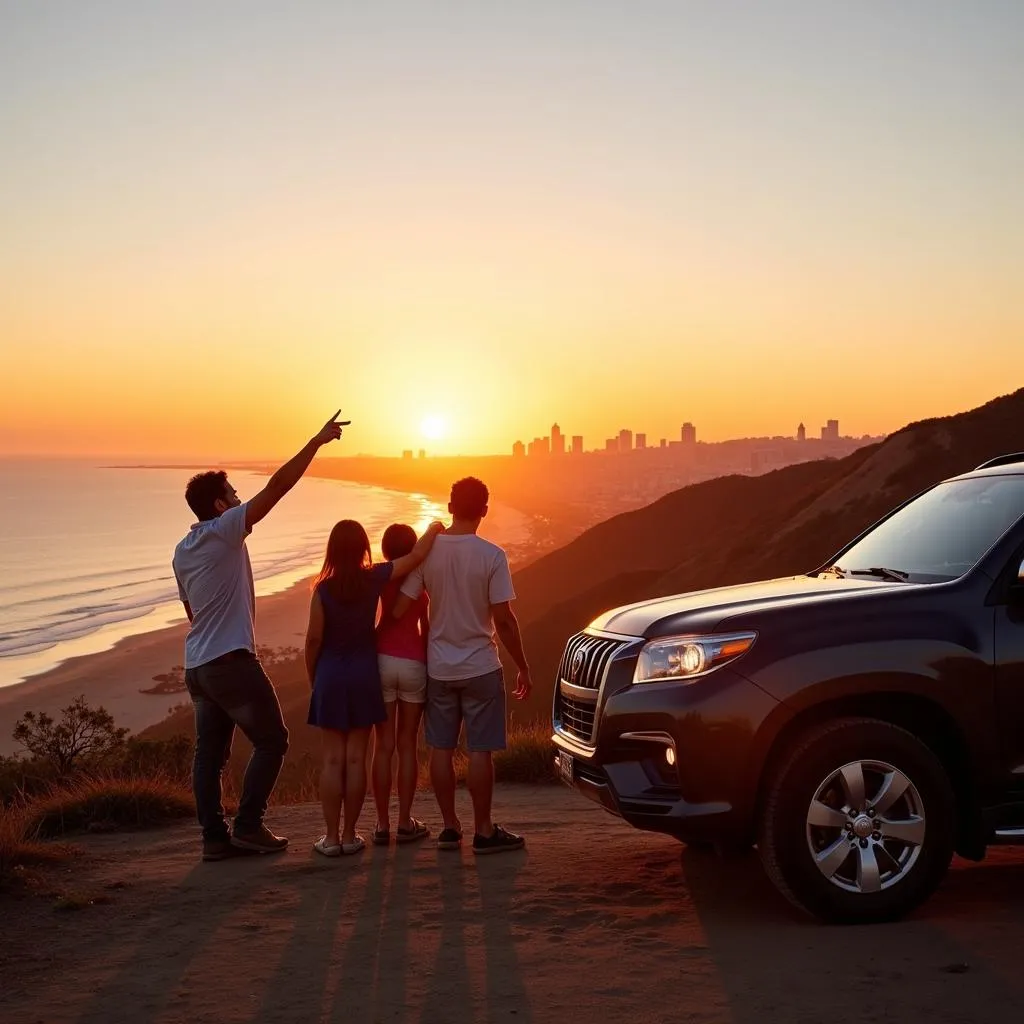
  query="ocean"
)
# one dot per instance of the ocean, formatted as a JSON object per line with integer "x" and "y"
{"x": 85, "y": 550}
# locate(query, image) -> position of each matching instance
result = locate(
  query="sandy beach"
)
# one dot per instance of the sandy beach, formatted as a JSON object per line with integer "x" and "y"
{"x": 592, "y": 922}
{"x": 116, "y": 677}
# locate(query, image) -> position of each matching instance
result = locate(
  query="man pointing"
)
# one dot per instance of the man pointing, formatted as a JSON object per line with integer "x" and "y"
{"x": 225, "y": 680}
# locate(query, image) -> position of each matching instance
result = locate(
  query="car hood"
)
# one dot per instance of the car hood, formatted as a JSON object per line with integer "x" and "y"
{"x": 704, "y": 610}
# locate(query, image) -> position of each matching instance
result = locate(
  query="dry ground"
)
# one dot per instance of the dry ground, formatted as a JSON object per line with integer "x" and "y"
{"x": 594, "y": 922}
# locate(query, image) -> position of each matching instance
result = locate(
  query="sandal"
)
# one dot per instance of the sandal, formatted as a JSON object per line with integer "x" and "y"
{"x": 357, "y": 844}
{"x": 411, "y": 835}
{"x": 382, "y": 836}
{"x": 327, "y": 849}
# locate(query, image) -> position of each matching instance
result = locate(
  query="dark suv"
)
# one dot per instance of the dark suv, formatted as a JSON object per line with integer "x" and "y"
{"x": 860, "y": 723}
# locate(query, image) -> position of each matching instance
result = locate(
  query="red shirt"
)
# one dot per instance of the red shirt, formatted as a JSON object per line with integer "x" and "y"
{"x": 401, "y": 638}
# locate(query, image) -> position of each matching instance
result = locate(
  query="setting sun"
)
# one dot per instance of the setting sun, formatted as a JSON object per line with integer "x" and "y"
{"x": 433, "y": 427}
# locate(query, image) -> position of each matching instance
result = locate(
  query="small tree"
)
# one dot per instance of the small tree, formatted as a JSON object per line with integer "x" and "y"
{"x": 82, "y": 733}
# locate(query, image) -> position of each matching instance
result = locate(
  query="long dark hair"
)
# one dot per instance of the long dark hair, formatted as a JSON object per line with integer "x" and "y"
{"x": 346, "y": 561}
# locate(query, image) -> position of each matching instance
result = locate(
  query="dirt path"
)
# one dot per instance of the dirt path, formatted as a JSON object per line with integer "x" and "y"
{"x": 595, "y": 922}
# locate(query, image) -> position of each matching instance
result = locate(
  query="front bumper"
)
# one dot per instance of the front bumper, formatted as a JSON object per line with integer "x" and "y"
{"x": 672, "y": 757}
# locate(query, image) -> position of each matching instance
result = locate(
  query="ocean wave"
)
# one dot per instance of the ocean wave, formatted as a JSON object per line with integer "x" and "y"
{"x": 32, "y": 641}
{"x": 146, "y": 571}
{"x": 43, "y": 611}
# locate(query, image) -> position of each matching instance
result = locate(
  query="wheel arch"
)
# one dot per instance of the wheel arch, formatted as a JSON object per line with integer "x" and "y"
{"x": 919, "y": 715}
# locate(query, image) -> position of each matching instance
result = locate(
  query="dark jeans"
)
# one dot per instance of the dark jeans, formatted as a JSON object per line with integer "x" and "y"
{"x": 229, "y": 691}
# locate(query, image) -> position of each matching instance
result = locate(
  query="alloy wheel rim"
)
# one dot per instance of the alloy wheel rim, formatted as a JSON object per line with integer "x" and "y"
{"x": 865, "y": 826}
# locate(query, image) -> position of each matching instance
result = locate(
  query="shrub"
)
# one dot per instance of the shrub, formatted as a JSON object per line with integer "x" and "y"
{"x": 171, "y": 758}
{"x": 105, "y": 801}
{"x": 83, "y": 733}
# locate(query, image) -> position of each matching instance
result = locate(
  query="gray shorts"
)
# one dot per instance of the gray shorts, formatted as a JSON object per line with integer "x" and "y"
{"x": 479, "y": 702}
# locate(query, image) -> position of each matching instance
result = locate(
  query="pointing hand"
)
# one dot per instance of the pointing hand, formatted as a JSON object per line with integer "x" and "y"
{"x": 331, "y": 430}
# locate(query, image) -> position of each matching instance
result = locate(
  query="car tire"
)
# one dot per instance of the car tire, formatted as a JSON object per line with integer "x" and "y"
{"x": 818, "y": 805}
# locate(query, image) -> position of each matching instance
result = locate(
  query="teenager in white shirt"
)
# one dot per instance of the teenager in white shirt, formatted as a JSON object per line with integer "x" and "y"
{"x": 469, "y": 585}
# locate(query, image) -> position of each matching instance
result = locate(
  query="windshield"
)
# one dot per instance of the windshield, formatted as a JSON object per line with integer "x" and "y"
{"x": 940, "y": 535}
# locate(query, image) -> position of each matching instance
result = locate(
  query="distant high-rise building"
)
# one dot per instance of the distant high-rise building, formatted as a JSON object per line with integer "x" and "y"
{"x": 577, "y": 444}
{"x": 407, "y": 454}
{"x": 540, "y": 446}
{"x": 611, "y": 444}
{"x": 688, "y": 435}
{"x": 518, "y": 450}
{"x": 625, "y": 440}
{"x": 641, "y": 440}
{"x": 557, "y": 440}
{"x": 664, "y": 443}
{"x": 830, "y": 432}
{"x": 801, "y": 433}
{"x": 423, "y": 453}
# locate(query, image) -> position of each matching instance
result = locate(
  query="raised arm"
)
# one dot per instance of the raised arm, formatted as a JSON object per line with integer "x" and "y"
{"x": 314, "y": 636}
{"x": 291, "y": 472}
{"x": 405, "y": 565}
{"x": 506, "y": 625}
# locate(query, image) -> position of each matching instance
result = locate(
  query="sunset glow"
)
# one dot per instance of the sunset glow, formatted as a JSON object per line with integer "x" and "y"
{"x": 433, "y": 427}
{"x": 218, "y": 229}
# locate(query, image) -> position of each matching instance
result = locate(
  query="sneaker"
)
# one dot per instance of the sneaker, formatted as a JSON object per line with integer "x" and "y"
{"x": 449, "y": 839}
{"x": 260, "y": 840}
{"x": 499, "y": 841}
{"x": 219, "y": 849}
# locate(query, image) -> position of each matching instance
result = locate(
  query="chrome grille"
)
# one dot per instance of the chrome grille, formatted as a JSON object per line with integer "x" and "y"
{"x": 590, "y": 657}
{"x": 577, "y": 717}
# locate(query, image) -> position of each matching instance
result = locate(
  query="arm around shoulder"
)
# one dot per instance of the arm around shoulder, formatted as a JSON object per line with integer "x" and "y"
{"x": 405, "y": 565}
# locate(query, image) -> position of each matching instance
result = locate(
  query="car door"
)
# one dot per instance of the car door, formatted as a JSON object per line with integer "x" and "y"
{"x": 1009, "y": 659}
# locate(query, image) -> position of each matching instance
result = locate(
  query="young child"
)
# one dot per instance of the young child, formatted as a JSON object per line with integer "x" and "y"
{"x": 402, "y": 660}
{"x": 341, "y": 662}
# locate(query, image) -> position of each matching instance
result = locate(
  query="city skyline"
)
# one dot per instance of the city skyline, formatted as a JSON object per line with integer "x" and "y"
{"x": 626, "y": 440}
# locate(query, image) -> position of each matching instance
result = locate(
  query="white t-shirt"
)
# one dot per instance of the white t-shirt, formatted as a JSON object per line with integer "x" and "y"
{"x": 211, "y": 565}
{"x": 463, "y": 576}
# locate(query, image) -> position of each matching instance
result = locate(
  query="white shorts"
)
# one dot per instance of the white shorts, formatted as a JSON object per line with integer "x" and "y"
{"x": 402, "y": 679}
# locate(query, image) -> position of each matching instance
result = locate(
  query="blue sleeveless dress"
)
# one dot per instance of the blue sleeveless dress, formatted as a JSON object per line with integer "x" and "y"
{"x": 346, "y": 688}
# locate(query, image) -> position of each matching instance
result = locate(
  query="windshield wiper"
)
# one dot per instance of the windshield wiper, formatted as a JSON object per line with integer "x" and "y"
{"x": 892, "y": 575}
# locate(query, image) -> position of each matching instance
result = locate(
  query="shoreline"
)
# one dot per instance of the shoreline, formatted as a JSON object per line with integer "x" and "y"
{"x": 115, "y": 677}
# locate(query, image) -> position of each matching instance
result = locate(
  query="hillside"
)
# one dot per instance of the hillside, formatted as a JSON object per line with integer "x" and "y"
{"x": 723, "y": 531}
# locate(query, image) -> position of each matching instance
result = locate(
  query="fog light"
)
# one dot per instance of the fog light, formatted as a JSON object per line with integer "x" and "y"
{"x": 670, "y": 756}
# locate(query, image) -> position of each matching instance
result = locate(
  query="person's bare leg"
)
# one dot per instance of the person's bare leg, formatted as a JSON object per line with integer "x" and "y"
{"x": 409, "y": 716}
{"x": 380, "y": 771}
{"x": 480, "y": 783}
{"x": 355, "y": 781}
{"x": 332, "y": 781}
{"x": 442, "y": 778}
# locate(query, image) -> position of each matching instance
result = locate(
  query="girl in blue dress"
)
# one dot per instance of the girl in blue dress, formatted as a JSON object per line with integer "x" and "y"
{"x": 341, "y": 662}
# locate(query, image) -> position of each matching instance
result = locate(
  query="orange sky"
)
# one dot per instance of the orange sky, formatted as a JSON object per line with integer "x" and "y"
{"x": 650, "y": 214}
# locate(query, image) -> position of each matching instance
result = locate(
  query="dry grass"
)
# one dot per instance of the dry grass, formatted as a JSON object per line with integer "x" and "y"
{"x": 101, "y": 802}
{"x": 14, "y": 840}
{"x": 530, "y": 757}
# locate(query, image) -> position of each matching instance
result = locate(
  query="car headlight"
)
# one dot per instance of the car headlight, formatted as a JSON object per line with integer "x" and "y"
{"x": 684, "y": 657}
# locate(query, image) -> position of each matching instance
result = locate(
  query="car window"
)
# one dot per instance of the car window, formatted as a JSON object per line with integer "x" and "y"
{"x": 943, "y": 533}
